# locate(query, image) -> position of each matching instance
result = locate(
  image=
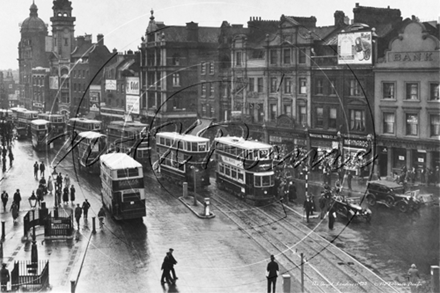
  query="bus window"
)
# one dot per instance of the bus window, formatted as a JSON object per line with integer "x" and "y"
{"x": 266, "y": 180}
{"x": 233, "y": 172}
{"x": 221, "y": 168}
{"x": 240, "y": 176}
{"x": 257, "y": 181}
{"x": 167, "y": 142}
{"x": 161, "y": 140}
{"x": 194, "y": 146}
{"x": 227, "y": 170}
{"x": 264, "y": 154}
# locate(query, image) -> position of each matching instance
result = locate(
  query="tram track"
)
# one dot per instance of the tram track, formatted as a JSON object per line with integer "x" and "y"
{"x": 260, "y": 226}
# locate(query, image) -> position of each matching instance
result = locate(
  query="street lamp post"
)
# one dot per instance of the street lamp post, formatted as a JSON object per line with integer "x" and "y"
{"x": 308, "y": 164}
{"x": 370, "y": 149}
{"x": 34, "y": 251}
{"x": 195, "y": 170}
{"x": 341, "y": 148}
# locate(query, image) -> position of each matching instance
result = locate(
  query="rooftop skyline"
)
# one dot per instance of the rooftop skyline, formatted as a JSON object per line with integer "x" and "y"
{"x": 124, "y": 23}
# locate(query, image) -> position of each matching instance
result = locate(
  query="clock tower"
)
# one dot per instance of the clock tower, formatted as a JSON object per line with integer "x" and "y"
{"x": 63, "y": 28}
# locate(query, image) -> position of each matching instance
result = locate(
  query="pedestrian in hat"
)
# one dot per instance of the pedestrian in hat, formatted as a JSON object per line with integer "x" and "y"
{"x": 166, "y": 267}
{"x": 5, "y": 198}
{"x": 85, "y": 207}
{"x": 78, "y": 212}
{"x": 36, "y": 167}
{"x": 173, "y": 262}
{"x": 308, "y": 206}
{"x": 72, "y": 194}
{"x": 17, "y": 198}
{"x": 272, "y": 274}
{"x": 413, "y": 278}
{"x": 5, "y": 276}
{"x": 42, "y": 169}
{"x": 66, "y": 195}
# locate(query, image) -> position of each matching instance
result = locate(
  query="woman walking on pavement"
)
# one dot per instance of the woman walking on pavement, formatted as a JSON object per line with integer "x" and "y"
{"x": 36, "y": 168}
{"x": 49, "y": 185}
{"x": 14, "y": 209}
{"x": 5, "y": 198}
{"x": 67, "y": 180}
{"x": 66, "y": 195}
{"x": 72, "y": 194}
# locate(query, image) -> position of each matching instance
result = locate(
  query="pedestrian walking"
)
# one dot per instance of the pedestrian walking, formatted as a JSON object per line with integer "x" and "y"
{"x": 308, "y": 206}
{"x": 173, "y": 262}
{"x": 57, "y": 197}
{"x": 40, "y": 197}
{"x": 85, "y": 207}
{"x": 272, "y": 274}
{"x": 72, "y": 194}
{"x": 5, "y": 276}
{"x": 101, "y": 216}
{"x": 17, "y": 198}
{"x": 413, "y": 278}
{"x": 292, "y": 191}
{"x": 36, "y": 168}
{"x": 11, "y": 158}
{"x": 331, "y": 217}
{"x": 5, "y": 198}
{"x": 322, "y": 206}
{"x": 78, "y": 212}
{"x": 67, "y": 180}
{"x": 66, "y": 195}
{"x": 49, "y": 185}
{"x": 15, "y": 210}
{"x": 349, "y": 177}
{"x": 166, "y": 268}
{"x": 42, "y": 169}
{"x": 59, "y": 181}
{"x": 54, "y": 173}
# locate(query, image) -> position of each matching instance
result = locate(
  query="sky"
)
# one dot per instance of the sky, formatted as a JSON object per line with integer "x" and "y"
{"x": 123, "y": 22}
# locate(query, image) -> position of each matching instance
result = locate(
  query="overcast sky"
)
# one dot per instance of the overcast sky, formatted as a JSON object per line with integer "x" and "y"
{"x": 124, "y": 22}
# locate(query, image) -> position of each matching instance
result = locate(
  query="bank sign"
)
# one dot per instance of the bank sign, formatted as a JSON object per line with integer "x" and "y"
{"x": 132, "y": 86}
{"x": 355, "y": 48}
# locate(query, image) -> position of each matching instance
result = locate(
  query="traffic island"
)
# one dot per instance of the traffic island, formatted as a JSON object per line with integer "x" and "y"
{"x": 201, "y": 210}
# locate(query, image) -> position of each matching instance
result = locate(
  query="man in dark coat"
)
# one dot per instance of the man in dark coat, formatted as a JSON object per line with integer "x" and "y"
{"x": 42, "y": 169}
{"x": 308, "y": 206}
{"x": 85, "y": 207}
{"x": 272, "y": 273}
{"x": 173, "y": 262}
{"x": 36, "y": 167}
{"x": 331, "y": 217}
{"x": 78, "y": 213}
{"x": 5, "y": 276}
{"x": 5, "y": 198}
{"x": 292, "y": 191}
{"x": 166, "y": 267}
{"x": 17, "y": 198}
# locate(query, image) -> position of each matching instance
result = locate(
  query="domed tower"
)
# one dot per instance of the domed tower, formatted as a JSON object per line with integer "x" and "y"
{"x": 31, "y": 49}
{"x": 63, "y": 29}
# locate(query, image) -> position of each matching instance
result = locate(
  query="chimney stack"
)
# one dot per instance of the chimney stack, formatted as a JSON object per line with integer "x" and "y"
{"x": 100, "y": 39}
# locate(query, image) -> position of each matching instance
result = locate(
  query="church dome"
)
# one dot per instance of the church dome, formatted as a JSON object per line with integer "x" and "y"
{"x": 33, "y": 23}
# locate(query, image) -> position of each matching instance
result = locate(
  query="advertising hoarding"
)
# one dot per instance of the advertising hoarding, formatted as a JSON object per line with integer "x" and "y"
{"x": 132, "y": 104}
{"x": 110, "y": 84}
{"x": 53, "y": 82}
{"x": 132, "y": 86}
{"x": 355, "y": 48}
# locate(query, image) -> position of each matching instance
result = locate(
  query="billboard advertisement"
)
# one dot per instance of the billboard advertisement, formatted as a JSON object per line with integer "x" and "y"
{"x": 132, "y": 104}
{"x": 53, "y": 82}
{"x": 132, "y": 86}
{"x": 110, "y": 84}
{"x": 355, "y": 48}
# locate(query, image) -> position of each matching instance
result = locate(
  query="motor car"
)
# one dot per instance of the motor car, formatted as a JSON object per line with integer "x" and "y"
{"x": 350, "y": 208}
{"x": 391, "y": 194}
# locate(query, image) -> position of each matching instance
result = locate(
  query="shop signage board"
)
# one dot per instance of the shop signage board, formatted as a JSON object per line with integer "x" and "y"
{"x": 110, "y": 84}
{"x": 132, "y": 85}
{"x": 132, "y": 104}
{"x": 355, "y": 48}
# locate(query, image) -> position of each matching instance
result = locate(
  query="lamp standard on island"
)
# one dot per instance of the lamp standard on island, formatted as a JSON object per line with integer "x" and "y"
{"x": 195, "y": 171}
{"x": 34, "y": 251}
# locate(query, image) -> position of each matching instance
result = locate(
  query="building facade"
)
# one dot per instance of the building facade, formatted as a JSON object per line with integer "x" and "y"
{"x": 407, "y": 102}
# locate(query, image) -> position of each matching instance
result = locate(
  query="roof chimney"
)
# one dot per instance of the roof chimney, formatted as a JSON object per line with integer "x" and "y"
{"x": 79, "y": 41}
{"x": 100, "y": 39}
{"x": 192, "y": 29}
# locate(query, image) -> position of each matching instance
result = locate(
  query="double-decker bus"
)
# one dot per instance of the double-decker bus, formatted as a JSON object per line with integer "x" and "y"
{"x": 24, "y": 118}
{"x": 87, "y": 147}
{"x": 182, "y": 158}
{"x": 130, "y": 138}
{"x": 122, "y": 191}
{"x": 40, "y": 134}
{"x": 244, "y": 168}
{"x": 57, "y": 127}
{"x": 77, "y": 125}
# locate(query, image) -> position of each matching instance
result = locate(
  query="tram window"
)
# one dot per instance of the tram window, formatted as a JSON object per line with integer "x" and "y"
{"x": 167, "y": 142}
{"x": 249, "y": 155}
{"x": 266, "y": 180}
{"x": 97, "y": 126}
{"x": 240, "y": 176}
{"x": 257, "y": 181}
{"x": 222, "y": 169}
{"x": 233, "y": 173}
{"x": 194, "y": 146}
{"x": 233, "y": 151}
{"x": 202, "y": 147}
{"x": 263, "y": 154}
{"x": 220, "y": 147}
{"x": 161, "y": 140}
{"x": 227, "y": 170}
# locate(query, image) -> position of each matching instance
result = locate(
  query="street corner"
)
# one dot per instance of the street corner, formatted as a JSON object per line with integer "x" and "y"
{"x": 201, "y": 210}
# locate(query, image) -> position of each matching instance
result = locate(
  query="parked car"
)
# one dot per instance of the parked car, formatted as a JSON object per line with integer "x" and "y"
{"x": 350, "y": 208}
{"x": 391, "y": 194}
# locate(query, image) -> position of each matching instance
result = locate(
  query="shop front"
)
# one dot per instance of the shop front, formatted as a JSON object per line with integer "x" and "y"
{"x": 356, "y": 153}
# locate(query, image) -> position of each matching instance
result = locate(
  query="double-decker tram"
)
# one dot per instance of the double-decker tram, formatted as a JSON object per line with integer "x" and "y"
{"x": 40, "y": 134}
{"x": 6, "y": 115}
{"x": 88, "y": 146}
{"x": 122, "y": 191}
{"x": 130, "y": 138}
{"x": 244, "y": 168}
{"x": 23, "y": 124}
{"x": 57, "y": 127}
{"x": 77, "y": 125}
{"x": 182, "y": 158}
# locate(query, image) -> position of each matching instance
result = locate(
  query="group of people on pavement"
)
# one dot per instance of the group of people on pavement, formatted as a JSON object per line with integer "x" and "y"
{"x": 422, "y": 174}
{"x": 168, "y": 267}
{"x": 15, "y": 206}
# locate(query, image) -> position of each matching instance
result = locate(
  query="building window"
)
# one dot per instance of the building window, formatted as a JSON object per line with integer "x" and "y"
{"x": 257, "y": 54}
{"x": 211, "y": 89}
{"x": 434, "y": 92}
{"x": 412, "y": 122}
{"x": 251, "y": 84}
{"x": 303, "y": 86}
{"x": 319, "y": 88}
{"x": 176, "y": 59}
{"x": 435, "y": 125}
{"x": 412, "y": 91}
{"x": 273, "y": 85}
{"x": 286, "y": 55}
{"x": 204, "y": 90}
{"x": 260, "y": 84}
{"x": 388, "y": 91}
{"x": 319, "y": 117}
{"x": 388, "y": 123}
{"x": 357, "y": 120}
{"x": 302, "y": 115}
{"x": 238, "y": 58}
{"x": 287, "y": 85}
{"x": 302, "y": 56}
{"x": 355, "y": 88}
{"x": 332, "y": 86}
{"x": 273, "y": 111}
{"x": 176, "y": 79}
{"x": 211, "y": 68}
{"x": 203, "y": 68}
{"x": 287, "y": 110}
{"x": 332, "y": 115}
{"x": 74, "y": 87}
{"x": 66, "y": 41}
{"x": 273, "y": 57}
